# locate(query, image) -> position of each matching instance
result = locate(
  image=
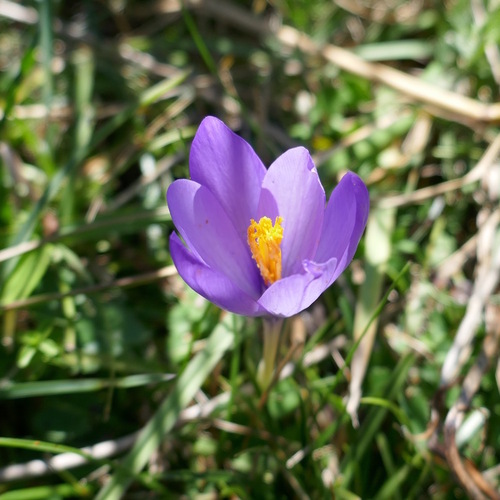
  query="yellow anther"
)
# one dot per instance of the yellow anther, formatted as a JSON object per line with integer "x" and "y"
{"x": 264, "y": 240}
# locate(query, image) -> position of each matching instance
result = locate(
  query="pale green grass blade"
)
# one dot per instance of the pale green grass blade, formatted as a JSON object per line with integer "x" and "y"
{"x": 388, "y": 405}
{"x": 58, "y": 387}
{"x": 167, "y": 138}
{"x": 48, "y": 492}
{"x": 83, "y": 63}
{"x": 35, "y": 445}
{"x": 393, "y": 51}
{"x": 46, "y": 41}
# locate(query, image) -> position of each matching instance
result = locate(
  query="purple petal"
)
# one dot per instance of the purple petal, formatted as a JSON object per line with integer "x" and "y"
{"x": 293, "y": 294}
{"x": 211, "y": 284}
{"x": 345, "y": 220}
{"x": 292, "y": 189}
{"x": 228, "y": 166}
{"x": 204, "y": 225}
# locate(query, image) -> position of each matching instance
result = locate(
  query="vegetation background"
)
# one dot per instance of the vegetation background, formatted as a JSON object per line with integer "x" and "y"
{"x": 118, "y": 381}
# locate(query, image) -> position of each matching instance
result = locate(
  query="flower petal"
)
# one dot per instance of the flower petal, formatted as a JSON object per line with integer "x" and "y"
{"x": 228, "y": 166}
{"x": 345, "y": 220}
{"x": 292, "y": 189}
{"x": 211, "y": 284}
{"x": 293, "y": 294}
{"x": 204, "y": 225}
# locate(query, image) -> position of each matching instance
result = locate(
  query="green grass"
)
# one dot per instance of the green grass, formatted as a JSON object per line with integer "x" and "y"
{"x": 101, "y": 341}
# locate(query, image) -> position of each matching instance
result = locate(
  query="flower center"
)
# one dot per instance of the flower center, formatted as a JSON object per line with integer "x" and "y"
{"x": 264, "y": 240}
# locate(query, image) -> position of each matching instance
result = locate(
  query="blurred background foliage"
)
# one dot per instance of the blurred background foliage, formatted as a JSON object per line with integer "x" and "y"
{"x": 99, "y": 101}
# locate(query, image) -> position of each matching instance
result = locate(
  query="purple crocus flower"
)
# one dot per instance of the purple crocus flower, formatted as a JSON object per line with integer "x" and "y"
{"x": 257, "y": 241}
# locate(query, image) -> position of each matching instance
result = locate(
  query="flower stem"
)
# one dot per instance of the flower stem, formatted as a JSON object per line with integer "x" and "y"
{"x": 272, "y": 333}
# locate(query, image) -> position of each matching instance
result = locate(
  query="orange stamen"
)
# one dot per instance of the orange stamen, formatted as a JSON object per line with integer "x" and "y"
{"x": 264, "y": 240}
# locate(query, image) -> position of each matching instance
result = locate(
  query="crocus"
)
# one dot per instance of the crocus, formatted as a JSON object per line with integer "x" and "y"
{"x": 257, "y": 241}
